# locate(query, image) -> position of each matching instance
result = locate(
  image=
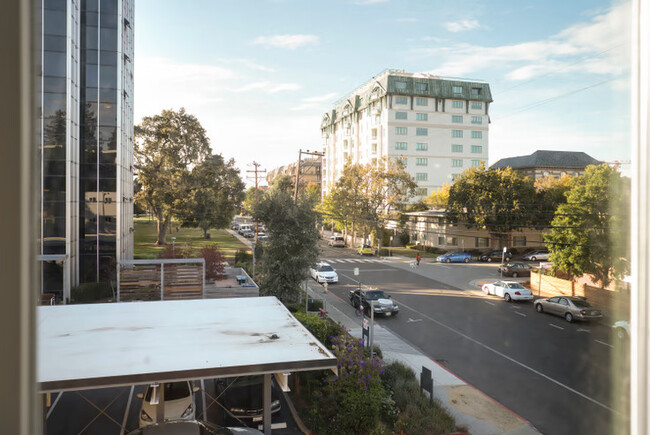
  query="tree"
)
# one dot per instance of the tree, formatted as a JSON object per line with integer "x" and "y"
{"x": 499, "y": 200}
{"x": 589, "y": 233}
{"x": 250, "y": 199}
{"x": 292, "y": 245}
{"x": 215, "y": 192}
{"x": 438, "y": 199}
{"x": 166, "y": 146}
{"x": 342, "y": 204}
{"x": 551, "y": 192}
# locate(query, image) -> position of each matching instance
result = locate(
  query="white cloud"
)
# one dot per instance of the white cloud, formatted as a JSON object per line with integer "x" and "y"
{"x": 280, "y": 87}
{"x": 268, "y": 87}
{"x": 286, "y": 41}
{"x": 459, "y": 26}
{"x": 407, "y": 20}
{"x": 594, "y": 47}
{"x": 320, "y": 98}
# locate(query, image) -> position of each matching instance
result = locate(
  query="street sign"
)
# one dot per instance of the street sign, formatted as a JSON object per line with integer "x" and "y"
{"x": 356, "y": 271}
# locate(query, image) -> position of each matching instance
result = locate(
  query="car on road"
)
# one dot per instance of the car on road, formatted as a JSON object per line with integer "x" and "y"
{"x": 249, "y": 234}
{"x": 382, "y": 303}
{"x": 571, "y": 308}
{"x": 364, "y": 250}
{"x": 537, "y": 255}
{"x": 179, "y": 402}
{"x": 495, "y": 255}
{"x": 243, "y": 228}
{"x": 337, "y": 241}
{"x": 234, "y": 226}
{"x": 323, "y": 272}
{"x": 454, "y": 257}
{"x": 622, "y": 329}
{"x": 515, "y": 269}
{"x": 262, "y": 237}
{"x": 508, "y": 290}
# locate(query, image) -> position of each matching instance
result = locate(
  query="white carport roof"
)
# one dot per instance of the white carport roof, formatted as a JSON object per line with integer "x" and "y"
{"x": 113, "y": 344}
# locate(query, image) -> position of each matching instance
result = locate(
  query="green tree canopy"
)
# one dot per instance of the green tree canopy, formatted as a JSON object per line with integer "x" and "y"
{"x": 438, "y": 199}
{"x": 499, "y": 200}
{"x": 215, "y": 192}
{"x": 166, "y": 145}
{"x": 292, "y": 245}
{"x": 590, "y": 231}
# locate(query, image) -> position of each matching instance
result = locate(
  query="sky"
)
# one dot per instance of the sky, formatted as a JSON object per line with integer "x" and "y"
{"x": 260, "y": 74}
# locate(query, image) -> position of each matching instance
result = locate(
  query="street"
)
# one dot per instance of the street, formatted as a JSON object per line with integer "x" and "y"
{"x": 565, "y": 378}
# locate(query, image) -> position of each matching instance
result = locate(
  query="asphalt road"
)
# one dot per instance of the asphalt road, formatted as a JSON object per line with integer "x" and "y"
{"x": 565, "y": 378}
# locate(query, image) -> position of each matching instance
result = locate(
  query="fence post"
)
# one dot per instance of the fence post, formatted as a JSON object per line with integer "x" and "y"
{"x": 162, "y": 281}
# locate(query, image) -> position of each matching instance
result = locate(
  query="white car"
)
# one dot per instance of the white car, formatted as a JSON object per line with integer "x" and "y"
{"x": 508, "y": 290}
{"x": 179, "y": 402}
{"x": 323, "y": 272}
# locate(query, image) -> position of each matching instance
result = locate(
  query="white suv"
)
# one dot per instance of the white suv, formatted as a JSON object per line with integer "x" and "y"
{"x": 337, "y": 242}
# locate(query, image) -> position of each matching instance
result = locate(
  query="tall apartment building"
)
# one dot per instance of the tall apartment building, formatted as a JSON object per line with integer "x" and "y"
{"x": 439, "y": 127}
{"x": 86, "y": 140}
{"x": 310, "y": 172}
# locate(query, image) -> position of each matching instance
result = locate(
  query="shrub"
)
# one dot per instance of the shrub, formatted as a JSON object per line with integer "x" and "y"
{"x": 322, "y": 328}
{"x": 432, "y": 250}
{"x": 214, "y": 262}
{"x": 243, "y": 256}
{"x": 376, "y": 348}
{"x": 404, "y": 238}
{"x": 91, "y": 292}
{"x": 384, "y": 252}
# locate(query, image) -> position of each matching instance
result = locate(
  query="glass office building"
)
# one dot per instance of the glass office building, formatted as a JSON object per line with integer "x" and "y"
{"x": 86, "y": 142}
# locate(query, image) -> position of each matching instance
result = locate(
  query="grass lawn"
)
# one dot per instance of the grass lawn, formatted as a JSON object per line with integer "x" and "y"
{"x": 145, "y": 240}
{"x": 406, "y": 252}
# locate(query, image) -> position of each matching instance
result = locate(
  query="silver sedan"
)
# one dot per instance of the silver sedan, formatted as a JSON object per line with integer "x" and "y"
{"x": 571, "y": 308}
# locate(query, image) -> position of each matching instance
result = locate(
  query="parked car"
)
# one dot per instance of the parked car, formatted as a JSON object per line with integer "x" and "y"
{"x": 244, "y": 228}
{"x": 508, "y": 290}
{"x": 323, "y": 272}
{"x": 234, "y": 226}
{"x": 262, "y": 237}
{"x": 179, "y": 402}
{"x": 455, "y": 257}
{"x": 337, "y": 242}
{"x": 192, "y": 427}
{"x": 242, "y": 398}
{"x": 571, "y": 308}
{"x": 382, "y": 303}
{"x": 495, "y": 255}
{"x": 515, "y": 269}
{"x": 364, "y": 250}
{"x": 537, "y": 255}
{"x": 249, "y": 234}
{"x": 622, "y": 329}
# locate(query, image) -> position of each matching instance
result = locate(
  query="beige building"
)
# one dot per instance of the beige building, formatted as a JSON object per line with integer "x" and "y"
{"x": 438, "y": 127}
{"x": 433, "y": 228}
{"x": 310, "y": 172}
{"x": 543, "y": 163}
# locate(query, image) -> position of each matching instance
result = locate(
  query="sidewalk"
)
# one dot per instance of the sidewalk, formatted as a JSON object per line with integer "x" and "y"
{"x": 471, "y": 408}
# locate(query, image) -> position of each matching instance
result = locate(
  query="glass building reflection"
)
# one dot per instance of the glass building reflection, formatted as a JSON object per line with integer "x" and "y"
{"x": 86, "y": 144}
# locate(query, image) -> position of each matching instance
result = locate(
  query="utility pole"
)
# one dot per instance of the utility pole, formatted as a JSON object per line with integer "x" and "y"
{"x": 298, "y": 169}
{"x": 257, "y": 172}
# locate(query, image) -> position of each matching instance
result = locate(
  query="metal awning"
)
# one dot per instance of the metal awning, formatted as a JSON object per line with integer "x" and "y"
{"x": 115, "y": 344}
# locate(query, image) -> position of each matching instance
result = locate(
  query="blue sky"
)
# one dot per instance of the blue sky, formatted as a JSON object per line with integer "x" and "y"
{"x": 260, "y": 74}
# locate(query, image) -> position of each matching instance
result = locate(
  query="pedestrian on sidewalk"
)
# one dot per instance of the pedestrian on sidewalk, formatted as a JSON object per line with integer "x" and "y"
{"x": 417, "y": 259}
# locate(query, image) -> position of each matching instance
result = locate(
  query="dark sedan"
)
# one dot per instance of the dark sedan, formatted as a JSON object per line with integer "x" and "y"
{"x": 515, "y": 269}
{"x": 495, "y": 256}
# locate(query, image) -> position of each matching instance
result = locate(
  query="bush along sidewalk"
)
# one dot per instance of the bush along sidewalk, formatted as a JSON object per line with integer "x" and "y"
{"x": 365, "y": 397}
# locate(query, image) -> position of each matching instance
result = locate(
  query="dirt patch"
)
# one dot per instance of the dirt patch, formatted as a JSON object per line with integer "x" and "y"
{"x": 469, "y": 401}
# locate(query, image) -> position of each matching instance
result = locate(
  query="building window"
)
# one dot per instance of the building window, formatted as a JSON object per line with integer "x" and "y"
{"x": 402, "y": 160}
{"x": 400, "y": 85}
{"x": 400, "y": 145}
{"x": 421, "y": 102}
{"x": 457, "y": 133}
{"x": 455, "y": 177}
{"x": 421, "y": 176}
{"x": 400, "y": 100}
{"x": 477, "y": 148}
{"x": 456, "y": 104}
{"x": 400, "y": 115}
{"x": 345, "y": 144}
{"x": 421, "y": 191}
{"x": 457, "y": 118}
{"x": 477, "y": 105}
{"x": 477, "y": 135}
{"x": 421, "y": 117}
{"x": 476, "y": 163}
{"x": 421, "y": 161}
{"x": 457, "y": 89}
{"x": 421, "y": 86}
{"x": 456, "y": 148}
{"x": 401, "y": 131}
{"x": 421, "y": 131}
{"x": 422, "y": 146}
{"x": 481, "y": 242}
{"x": 518, "y": 240}
{"x": 476, "y": 92}
{"x": 456, "y": 163}
{"x": 453, "y": 241}
{"x": 477, "y": 120}
{"x": 441, "y": 240}
{"x": 374, "y": 133}
{"x": 374, "y": 148}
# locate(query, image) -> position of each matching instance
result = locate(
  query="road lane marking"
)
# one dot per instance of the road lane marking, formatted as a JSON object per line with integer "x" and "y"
{"x": 501, "y": 354}
{"x": 555, "y": 326}
{"x": 583, "y": 330}
{"x": 604, "y": 344}
{"x": 489, "y": 303}
{"x": 521, "y": 314}
{"x": 413, "y": 320}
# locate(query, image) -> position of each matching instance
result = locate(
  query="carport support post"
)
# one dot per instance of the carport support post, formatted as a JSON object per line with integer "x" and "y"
{"x": 162, "y": 281}
{"x": 267, "y": 404}
{"x": 160, "y": 407}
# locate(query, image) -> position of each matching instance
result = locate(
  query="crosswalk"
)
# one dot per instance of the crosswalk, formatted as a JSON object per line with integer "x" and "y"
{"x": 353, "y": 260}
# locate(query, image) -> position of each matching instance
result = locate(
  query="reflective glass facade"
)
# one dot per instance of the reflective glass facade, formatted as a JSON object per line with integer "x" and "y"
{"x": 87, "y": 138}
